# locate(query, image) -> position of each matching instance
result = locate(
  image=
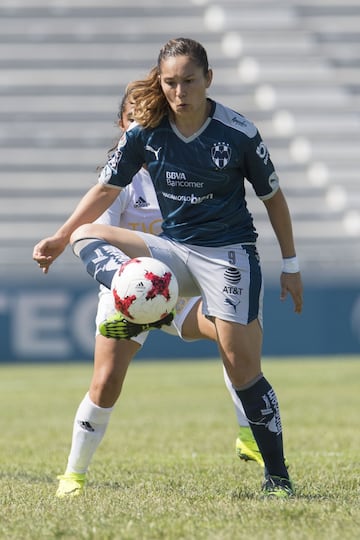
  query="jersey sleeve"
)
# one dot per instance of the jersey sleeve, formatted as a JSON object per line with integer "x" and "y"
{"x": 113, "y": 214}
{"x": 126, "y": 161}
{"x": 260, "y": 171}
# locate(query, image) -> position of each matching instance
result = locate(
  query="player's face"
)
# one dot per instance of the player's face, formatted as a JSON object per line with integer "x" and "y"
{"x": 127, "y": 116}
{"x": 184, "y": 85}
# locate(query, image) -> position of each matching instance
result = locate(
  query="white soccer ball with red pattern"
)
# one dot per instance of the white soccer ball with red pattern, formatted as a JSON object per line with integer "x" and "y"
{"x": 145, "y": 290}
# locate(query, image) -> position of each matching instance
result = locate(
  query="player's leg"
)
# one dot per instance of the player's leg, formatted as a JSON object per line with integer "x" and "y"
{"x": 111, "y": 360}
{"x": 103, "y": 248}
{"x": 133, "y": 244}
{"x": 232, "y": 295}
{"x": 245, "y": 444}
{"x": 240, "y": 346}
{"x": 191, "y": 324}
{"x": 95, "y": 245}
{"x": 101, "y": 260}
{"x": 129, "y": 242}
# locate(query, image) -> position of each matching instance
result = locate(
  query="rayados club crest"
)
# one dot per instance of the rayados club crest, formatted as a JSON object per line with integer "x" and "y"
{"x": 220, "y": 154}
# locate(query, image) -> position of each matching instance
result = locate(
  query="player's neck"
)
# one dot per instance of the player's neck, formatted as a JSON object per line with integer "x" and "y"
{"x": 188, "y": 124}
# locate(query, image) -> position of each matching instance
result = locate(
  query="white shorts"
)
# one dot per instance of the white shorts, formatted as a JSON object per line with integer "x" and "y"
{"x": 228, "y": 278}
{"x": 106, "y": 308}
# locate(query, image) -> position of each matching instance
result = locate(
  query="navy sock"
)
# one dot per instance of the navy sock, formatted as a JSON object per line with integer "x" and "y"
{"x": 262, "y": 410}
{"x": 101, "y": 259}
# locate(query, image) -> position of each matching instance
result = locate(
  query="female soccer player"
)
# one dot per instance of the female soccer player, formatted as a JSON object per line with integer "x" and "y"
{"x": 135, "y": 208}
{"x": 199, "y": 153}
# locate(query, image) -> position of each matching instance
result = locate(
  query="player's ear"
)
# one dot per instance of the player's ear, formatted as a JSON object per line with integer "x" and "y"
{"x": 209, "y": 77}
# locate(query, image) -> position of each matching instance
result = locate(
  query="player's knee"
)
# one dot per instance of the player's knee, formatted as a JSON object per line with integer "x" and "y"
{"x": 84, "y": 231}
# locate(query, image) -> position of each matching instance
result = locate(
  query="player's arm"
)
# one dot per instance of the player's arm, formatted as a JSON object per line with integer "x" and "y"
{"x": 91, "y": 206}
{"x": 261, "y": 174}
{"x": 280, "y": 220}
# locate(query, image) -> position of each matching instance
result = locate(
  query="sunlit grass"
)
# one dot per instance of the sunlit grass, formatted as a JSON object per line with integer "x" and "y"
{"x": 167, "y": 467}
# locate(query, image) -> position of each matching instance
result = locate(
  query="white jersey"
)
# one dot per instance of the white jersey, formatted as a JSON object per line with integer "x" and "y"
{"x": 136, "y": 208}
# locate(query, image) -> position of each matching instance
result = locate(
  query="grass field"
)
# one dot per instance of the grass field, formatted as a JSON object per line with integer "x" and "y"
{"x": 167, "y": 468}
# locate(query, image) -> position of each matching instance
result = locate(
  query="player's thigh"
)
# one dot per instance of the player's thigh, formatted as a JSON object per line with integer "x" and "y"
{"x": 194, "y": 325}
{"x": 182, "y": 308}
{"x": 231, "y": 282}
{"x": 140, "y": 244}
{"x": 127, "y": 241}
{"x": 175, "y": 256}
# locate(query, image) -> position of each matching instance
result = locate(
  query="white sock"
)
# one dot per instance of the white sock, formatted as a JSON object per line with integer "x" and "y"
{"x": 239, "y": 409}
{"x": 89, "y": 428}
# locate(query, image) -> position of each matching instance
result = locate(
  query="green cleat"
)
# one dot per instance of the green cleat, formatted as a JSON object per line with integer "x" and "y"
{"x": 117, "y": 327}
{"x": 70, "y": 485}
{"x": 246, "y": 447}
{"x": 277, "y": 488}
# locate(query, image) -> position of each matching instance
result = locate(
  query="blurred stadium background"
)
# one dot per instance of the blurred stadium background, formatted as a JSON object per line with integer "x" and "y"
{"x": 292, "y": 66}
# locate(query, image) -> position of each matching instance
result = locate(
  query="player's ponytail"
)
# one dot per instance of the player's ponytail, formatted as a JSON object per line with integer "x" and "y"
{"x": 150, "y": 105}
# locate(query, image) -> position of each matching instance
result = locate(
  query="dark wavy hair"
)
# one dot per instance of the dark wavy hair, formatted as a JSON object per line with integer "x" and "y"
{"x": 150, "y": 104}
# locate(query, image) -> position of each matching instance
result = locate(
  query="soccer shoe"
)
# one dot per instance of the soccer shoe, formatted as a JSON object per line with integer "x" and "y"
{"x": 117, "y": 327}
{"x": 70, "y": 485}
{"x": 246, "y": 447}
{"x": 277, "y": 488}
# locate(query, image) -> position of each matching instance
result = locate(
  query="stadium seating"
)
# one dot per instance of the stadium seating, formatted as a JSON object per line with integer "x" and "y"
{"x": 290, "y": 65}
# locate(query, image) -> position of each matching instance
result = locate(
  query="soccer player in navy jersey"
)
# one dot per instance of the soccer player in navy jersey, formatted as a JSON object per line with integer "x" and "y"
{"x": 198, "y": 153}
{"x": 135, "y": 208}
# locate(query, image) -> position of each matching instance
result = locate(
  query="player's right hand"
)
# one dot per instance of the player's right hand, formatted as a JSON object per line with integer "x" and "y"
{"x": 46, "y": 251}
{"x": 292, "y": 283}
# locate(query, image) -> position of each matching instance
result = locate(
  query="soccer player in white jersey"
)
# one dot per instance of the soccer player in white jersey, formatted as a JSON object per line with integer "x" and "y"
{"x": 199, "y": 153}
{"x": 135, "y": 208}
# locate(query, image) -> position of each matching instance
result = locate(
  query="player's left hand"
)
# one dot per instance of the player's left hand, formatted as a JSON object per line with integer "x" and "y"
{"x": 292, "y": 283}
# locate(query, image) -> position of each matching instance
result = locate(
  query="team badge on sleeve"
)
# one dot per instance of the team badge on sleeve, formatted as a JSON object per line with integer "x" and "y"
{"x": 263, "y": 152}
{"x": 114, "y": 160}
{"x": 105, "y": 175}
{"x": 220, "y": 154}
{"x": 110, "y": 168}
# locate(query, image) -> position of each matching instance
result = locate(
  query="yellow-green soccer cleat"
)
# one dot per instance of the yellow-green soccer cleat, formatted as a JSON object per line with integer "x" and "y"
{"x": 116, "y": 327}
{"x": 275, "y": 487}
{"x": 70, "y": 485}
{"x": 246, "y": 447}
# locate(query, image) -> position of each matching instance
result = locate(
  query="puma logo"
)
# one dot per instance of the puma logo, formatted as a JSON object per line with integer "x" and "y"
{"x": 155, "y": 152}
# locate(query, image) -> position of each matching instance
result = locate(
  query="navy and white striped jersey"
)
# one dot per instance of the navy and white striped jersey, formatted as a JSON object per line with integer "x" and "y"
{"x": 199, "y": 180}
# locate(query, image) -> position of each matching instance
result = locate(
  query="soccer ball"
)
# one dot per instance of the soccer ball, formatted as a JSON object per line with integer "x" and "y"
{"x": 145, "y": 290}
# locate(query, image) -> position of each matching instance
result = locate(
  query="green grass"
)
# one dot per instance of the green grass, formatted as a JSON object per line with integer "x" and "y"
{"x": 167, "y": 467}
